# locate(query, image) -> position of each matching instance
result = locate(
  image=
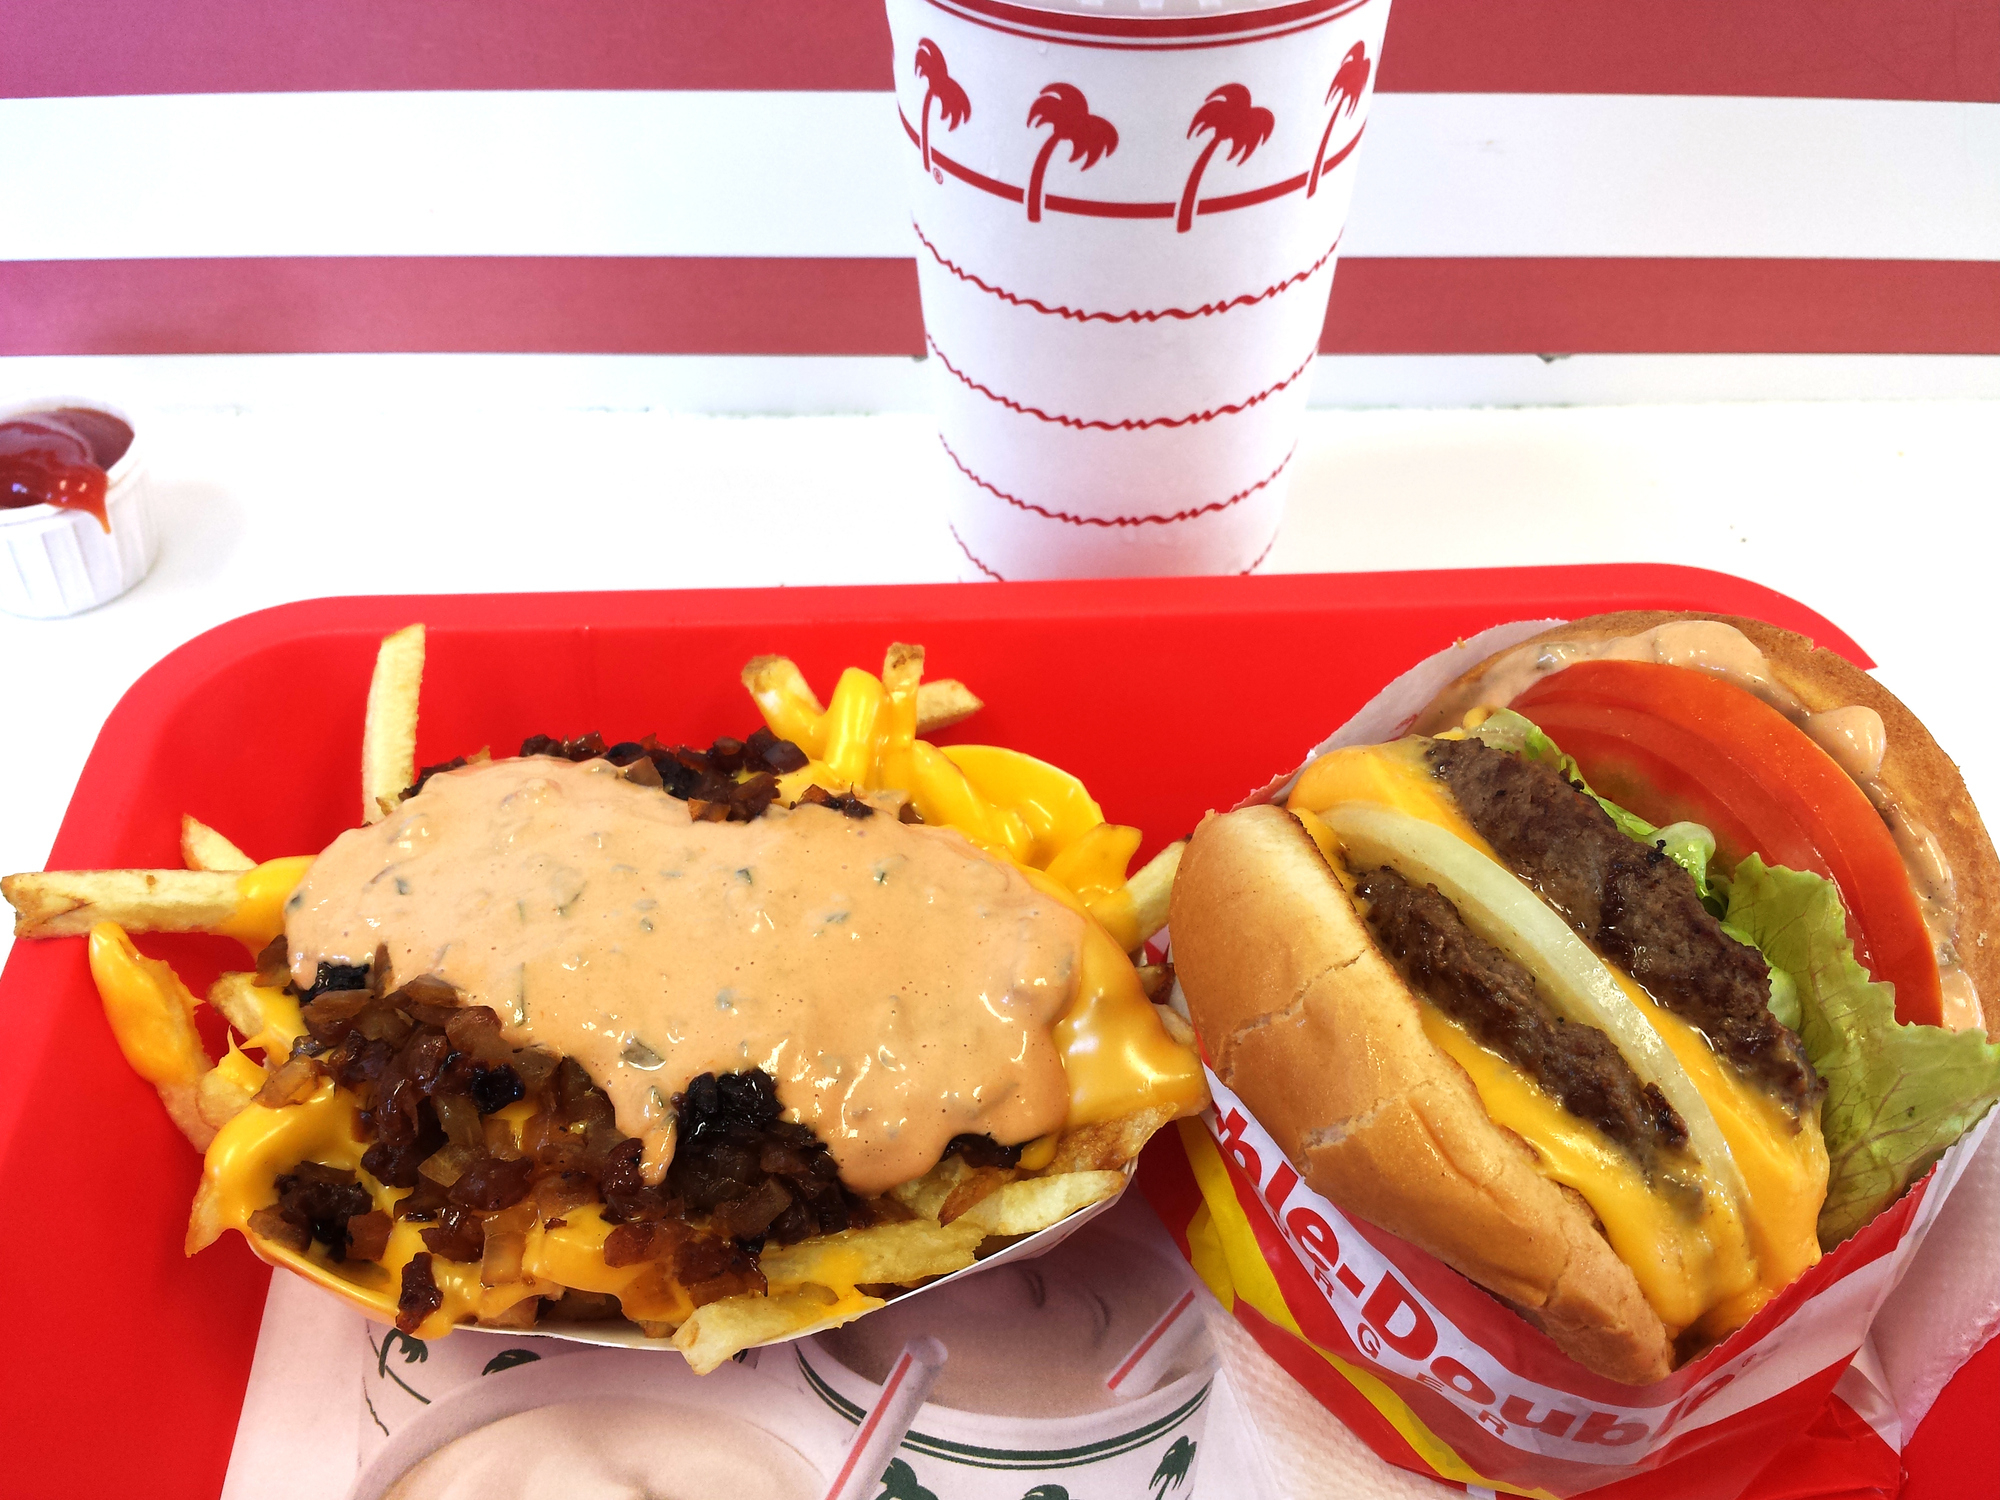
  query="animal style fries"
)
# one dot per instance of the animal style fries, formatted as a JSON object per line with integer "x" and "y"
{"x": 441, "y": 1142}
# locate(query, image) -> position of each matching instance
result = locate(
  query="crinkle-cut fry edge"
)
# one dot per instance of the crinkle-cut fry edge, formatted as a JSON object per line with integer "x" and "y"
{"x": 389, "y": 733}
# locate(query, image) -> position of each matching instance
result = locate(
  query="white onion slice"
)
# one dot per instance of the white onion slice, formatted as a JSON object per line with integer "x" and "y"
{"x": 1498, "y": 907}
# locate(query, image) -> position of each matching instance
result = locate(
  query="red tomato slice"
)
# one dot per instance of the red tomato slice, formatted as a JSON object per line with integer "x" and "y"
{"x": 1671, "y": 743}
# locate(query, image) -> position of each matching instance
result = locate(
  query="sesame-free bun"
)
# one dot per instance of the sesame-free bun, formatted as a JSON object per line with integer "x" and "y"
{"x": 1314, "y": 1029}
{"x": 1915, "y": 770}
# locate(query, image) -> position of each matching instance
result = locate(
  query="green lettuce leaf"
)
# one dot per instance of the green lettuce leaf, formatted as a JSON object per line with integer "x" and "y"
{"x": 1896, "y": 1096}
{"x": 1689, "y": 845}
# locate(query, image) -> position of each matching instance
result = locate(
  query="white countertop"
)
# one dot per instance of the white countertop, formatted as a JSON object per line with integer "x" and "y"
{"x": 1881, "y": 515}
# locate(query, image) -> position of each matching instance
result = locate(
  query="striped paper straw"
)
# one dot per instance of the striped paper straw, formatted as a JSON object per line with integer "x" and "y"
{"x": 1139, "y": 1371}
{"x": 881, "y": 1432}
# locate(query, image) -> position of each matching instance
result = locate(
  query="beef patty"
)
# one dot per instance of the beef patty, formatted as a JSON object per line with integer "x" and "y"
{"x": 1495, "y": 999}
{"x": 1633, "y": 904}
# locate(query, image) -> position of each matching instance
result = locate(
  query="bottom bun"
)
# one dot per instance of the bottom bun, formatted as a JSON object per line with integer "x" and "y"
{"x": 1314, "y": 1029}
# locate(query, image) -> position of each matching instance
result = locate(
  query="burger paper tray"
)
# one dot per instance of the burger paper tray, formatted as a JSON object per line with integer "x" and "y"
{"x": 128, "y": 1361}
{"x": 1441, "y": 1379}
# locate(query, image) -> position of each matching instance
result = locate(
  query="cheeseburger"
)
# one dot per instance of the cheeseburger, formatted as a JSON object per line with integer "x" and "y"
{"x": 1657, "y": 959}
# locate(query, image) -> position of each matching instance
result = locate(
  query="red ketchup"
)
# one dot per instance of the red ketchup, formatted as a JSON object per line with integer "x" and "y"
{"x": 60, "y": 458}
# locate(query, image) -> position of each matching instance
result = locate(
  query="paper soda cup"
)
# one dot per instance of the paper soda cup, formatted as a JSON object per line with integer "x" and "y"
{"x": 1047, "y": 1388}
{"x": 403, "y": 1377}
{"x": 1126, "y": 220}
{"x": 1154, "y": 1441}
{"x": 609, "y": 1422}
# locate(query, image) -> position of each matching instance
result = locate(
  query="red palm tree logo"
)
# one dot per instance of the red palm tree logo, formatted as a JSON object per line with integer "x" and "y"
{"x": 1228, "y": 115}
{"x": 954, "y": 109}
{"x": 1344, "y": 95}
{"x": 1062, "y": 107}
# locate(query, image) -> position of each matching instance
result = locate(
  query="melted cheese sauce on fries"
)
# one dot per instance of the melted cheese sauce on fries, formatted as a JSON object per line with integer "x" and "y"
{"x": 903, "y": 984}
{"x": 900, "y": 985}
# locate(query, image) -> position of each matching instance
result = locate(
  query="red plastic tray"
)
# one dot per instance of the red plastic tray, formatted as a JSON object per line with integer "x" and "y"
{"x": 128, "y": 1361}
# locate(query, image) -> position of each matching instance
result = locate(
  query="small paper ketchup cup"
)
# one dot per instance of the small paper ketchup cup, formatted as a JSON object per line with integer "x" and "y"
{"x": 60, "y": 560}
{"x": 1126, "y": 216}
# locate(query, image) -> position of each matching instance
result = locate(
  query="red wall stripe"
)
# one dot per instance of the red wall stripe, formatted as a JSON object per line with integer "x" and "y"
{"x": 615, "y": 305}
{"x": 1860, "y": 49}
{"x": 1634, "y": 305}
{"x": 469, "y": 304}
{"x": 1824, "y": 49}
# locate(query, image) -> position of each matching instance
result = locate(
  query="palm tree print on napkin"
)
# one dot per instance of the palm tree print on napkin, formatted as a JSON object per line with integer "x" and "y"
{"x": 1174, "y": 1466}
{"x": 1228, "y": 115}
{"x": 954, "y": 109}
{"x": 1345, "y": 94}
{"x": 1062, "y": 107}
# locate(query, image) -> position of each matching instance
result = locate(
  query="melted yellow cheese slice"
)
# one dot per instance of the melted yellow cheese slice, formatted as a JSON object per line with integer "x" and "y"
{"x": 1712, "y": 1270}
{"x": 1684, "y": 1266}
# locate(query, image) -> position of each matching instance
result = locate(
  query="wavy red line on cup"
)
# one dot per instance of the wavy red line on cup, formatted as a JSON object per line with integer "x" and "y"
{"x": 1260, "y": 557}
{"x": 971, "y": 556}
{"x": 1137, "y": 315}
{"x": 1118, "y": 521}
{"x": 1124, "y": 424}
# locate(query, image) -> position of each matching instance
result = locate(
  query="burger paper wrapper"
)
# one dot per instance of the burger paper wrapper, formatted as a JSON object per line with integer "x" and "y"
{"x": 1436, "y": 1377}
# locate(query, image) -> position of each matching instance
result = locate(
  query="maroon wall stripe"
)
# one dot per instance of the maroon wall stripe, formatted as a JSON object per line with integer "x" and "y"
{"x": 1861, "y": 49}
{"x": 461, "y": 304}
{"x": 620, "y": 305}
{"x": 1582, "y": 305}
{"x": 1830, "y": 49}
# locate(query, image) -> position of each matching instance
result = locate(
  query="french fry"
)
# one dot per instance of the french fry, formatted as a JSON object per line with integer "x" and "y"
{"x": 227, "y": 1087}
{"x": 1034, "y": 1203}
{"x": 152, "y": 1016}
{"x": 266, "y": 1019}
{"x": 68, "y": 903}
{"x": 389, "y": 734}
{"x": 902, "y": 667}
{"x": 1151, "y": 887}
{"x": 788, "y": 704}
{"x": 202, "y": 848}
{"x": 1177, "y": 1025}
{"x": 943, "y": 703}
{"x": 977, "y": 1186}
{"x": 1108, "y": 1143}
{"x": 926, "y": 1196}
{"x": 205, "y": 1218}
{"x": 904, "y": 1252}
{"x": 720, "y": 1330}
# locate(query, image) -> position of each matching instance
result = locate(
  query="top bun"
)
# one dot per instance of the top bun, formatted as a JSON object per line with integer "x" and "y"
{"x": 1915, "y": 770}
